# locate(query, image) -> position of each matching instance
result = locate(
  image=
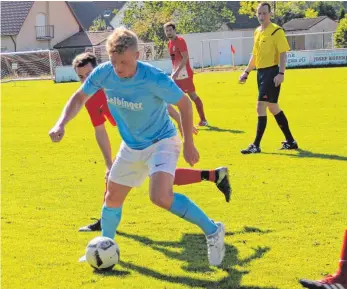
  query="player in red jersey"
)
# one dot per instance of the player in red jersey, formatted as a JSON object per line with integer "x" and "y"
{"x": 99, "y": 113}
{"x": 182, "y": 73}
{"x": 336, "y": 281}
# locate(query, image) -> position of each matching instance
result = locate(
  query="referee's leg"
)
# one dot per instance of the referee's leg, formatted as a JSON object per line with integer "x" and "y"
{"x": 262, "y": 120}
{"x": 282, "y": 122}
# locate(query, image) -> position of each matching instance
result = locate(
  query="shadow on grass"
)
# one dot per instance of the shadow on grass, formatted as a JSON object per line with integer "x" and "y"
{"x": 194, "y": 256}
{"x": 308, "y": 154}
{"x": 217, "y": 129}
{"x": 114, "y": 272}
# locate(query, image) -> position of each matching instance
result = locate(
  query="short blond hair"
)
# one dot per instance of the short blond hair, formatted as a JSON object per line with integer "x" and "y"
{"x": 121, "y": 40}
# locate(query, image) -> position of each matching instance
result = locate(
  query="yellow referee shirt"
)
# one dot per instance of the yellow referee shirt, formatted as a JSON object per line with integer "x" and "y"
{"x": 268, "y": 45}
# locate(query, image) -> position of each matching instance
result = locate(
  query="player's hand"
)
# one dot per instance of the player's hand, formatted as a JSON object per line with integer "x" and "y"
{"x": 108, "y": 169}
{"x": 243, "y": 78}
{"x": 279, "y": 78}
{"x": 57, "y": 133}
{"x": 191, "y": 154}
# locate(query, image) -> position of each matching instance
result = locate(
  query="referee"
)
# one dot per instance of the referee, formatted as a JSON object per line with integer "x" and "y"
{"x": 269, "y": 57}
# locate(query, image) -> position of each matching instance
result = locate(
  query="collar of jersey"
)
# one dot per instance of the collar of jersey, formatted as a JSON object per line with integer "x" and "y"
{"x": 130, "y": 78}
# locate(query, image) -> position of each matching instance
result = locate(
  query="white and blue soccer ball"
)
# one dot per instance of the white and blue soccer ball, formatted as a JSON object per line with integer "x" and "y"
{"x": 102, "y": 253}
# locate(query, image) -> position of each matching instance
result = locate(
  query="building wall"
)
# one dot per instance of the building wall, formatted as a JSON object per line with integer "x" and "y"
{"x": 318, "y": 41}
{"x": 296, "y": 42}
{"x": 65, "y": 26}
{"x": 323, "y": 40}
{"x": 7, "y": 44}
{"x": 213, "y": 48}
{"x": 58, "y": 14}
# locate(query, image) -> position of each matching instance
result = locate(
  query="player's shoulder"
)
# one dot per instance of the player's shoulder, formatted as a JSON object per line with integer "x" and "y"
{"x": 150, "y": 71}
{"x": 276, "y": 28}
{"x": 180, "y": 39}
{"x": 258, "y": 29}
{"x": 104, "y": 67}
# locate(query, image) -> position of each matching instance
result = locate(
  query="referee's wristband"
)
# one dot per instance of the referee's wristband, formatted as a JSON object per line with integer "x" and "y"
{"x": 282, "y": 73}
{"x": 246, "y": 72}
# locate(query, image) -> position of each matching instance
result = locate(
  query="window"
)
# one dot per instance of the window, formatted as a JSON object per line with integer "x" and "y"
{"x": 40, "y": 19}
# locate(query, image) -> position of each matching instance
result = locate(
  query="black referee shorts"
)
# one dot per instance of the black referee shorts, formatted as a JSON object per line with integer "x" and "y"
{"x": 266, "y": 86}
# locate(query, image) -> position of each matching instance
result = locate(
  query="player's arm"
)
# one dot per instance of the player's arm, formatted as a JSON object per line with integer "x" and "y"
{"x": 251, "y": 64}
{"x": 183, "y": 62}
{"x": 191, "y": 154}
{"x": 185, "y": 108}
{"x": 75, "y": 103}
{"x": 104, "y": 143}
{"x": 283, "y": 61}
{"x": 247, "y": 71}
{"x": 177, "y": 117}
{"x": 167, "y": 90}
{"x": 183, "y": 50}
{"x": 71, "y": 109}
{"x": 282, "y": 46}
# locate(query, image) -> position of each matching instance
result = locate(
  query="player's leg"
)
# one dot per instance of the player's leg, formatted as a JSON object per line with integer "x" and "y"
{"x": 282, "y": 122}
{"x": 199, "y": 106}
{"x": 261, "y": 126}
{"x": 263, "y": 80}
{"x": 127, "y": 172}
{"x": 337, "y": 280}
{"x": 219, "y": 176}
{"x": 112, "y": 209}
{"x": 161, "y": 194}
{"x": 187, "y": 85}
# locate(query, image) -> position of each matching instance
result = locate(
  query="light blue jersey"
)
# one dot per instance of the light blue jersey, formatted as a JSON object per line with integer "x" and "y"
{"x": 138, "y": 104}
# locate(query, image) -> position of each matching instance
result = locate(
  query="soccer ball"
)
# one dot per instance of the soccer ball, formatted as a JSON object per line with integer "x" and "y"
{"x": 102, "y": 253}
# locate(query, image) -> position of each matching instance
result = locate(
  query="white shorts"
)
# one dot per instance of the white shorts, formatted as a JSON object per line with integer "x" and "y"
{"x": 131, "y": 167}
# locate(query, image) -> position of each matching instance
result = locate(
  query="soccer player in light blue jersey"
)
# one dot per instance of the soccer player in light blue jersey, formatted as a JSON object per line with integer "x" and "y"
{"x": 137, "y": 95}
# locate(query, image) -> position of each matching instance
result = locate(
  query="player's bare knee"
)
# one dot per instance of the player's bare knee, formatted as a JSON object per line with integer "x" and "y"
{"x": 274, "y": 108}
{"x": 193, "y": 96}
{"x": 113, "y": 200}
{"x": 261, "y": 108}
{"x": 162, "y": 199}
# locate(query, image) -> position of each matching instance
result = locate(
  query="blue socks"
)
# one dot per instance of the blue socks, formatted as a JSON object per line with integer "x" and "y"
{"x": 186, "y": 209}
{"x": 181, "y": 206}
{"x": 110, "y": 220}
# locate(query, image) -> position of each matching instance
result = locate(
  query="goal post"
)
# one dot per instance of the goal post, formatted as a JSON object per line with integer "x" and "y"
{"x": 29, "y": 65}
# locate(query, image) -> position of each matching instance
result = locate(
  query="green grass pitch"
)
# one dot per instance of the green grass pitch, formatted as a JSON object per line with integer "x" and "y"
{"x": 285, "y": 220}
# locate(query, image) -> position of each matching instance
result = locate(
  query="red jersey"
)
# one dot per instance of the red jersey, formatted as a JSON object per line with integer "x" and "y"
{"x": 98, "y": 109}
{"x": 176, "y": 47}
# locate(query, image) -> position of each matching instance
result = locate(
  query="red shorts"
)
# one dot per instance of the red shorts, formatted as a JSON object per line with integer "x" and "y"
{"x": 187, "y": 84}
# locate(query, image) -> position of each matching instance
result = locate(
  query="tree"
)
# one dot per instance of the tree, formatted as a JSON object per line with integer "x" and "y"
{"x": 148, "y": 17}
{"x": 340, "y": 37}
{"x": 325, "y": 8}
{"x": 283, "y": 11}
{"x": 311, "y": 13}
{"x": 99, "y": 24}
{"x": 342, "y": 13}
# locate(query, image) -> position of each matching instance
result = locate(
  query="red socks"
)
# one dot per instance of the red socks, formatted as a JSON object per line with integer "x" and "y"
{"x": 191, "y": 176}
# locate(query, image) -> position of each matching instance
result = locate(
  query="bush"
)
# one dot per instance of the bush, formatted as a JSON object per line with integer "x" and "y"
{"x": 340, "y": 38}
